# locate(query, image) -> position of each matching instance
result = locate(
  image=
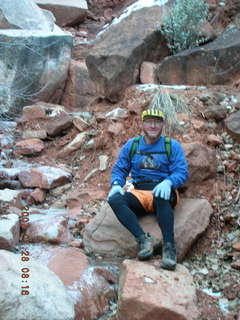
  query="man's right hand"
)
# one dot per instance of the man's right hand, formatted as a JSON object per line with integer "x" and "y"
{"x": 116, "y": 189}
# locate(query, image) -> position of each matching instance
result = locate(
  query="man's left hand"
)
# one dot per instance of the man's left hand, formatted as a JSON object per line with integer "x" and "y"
{"x": 163, "y": 189}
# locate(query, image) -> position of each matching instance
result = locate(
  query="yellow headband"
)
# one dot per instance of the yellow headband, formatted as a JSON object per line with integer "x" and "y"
{"x": 153, "y": 113}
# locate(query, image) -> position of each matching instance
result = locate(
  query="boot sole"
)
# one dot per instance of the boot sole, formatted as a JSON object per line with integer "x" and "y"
{"x": 168, "y": 267}
{"x": 146, "y": 257}
{"x": 157, "y": 249}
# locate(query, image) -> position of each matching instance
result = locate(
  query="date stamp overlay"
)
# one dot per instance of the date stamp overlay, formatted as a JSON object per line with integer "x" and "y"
{"x": 24, "y": 253}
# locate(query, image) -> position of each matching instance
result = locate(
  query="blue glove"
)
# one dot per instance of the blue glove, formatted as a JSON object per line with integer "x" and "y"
{"x": 116, "y": 189}
{"x": 163, "y": 189}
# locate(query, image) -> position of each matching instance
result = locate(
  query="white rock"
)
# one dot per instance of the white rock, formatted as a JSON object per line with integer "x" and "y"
{"x": 9, "y": 231}
{"x": 47, "y": 298}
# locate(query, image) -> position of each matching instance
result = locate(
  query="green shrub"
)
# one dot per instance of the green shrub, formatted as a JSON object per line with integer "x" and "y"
{"x": 182, "y": 25}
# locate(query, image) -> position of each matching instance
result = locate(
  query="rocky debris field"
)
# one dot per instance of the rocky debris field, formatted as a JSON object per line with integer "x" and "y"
{"x": 82, "y": 147}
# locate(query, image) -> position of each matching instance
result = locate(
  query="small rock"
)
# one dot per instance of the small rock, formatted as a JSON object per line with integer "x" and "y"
{"x": 36, "y": 111}
{"x": 76, "y": 244}
{"x": 236, "y": 246}
{"x": 203, "y": 271}
{"x": 37, "y": 134}
{"x": 117, "y": 113}
{"x": 38, "y": 195}
{"x": 80, "y": 123}
{"x": 90, "y": 175}
{"x": 103, "y": 159}
{"x": 115, "y": 128}
{"x": 214, "y": 140}
{"x": 228, "y": 146}
{"x": 29, "y": 147}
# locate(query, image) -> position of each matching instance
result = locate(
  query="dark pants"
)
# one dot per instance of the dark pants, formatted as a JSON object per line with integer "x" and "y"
{"x": 128, "y": 209}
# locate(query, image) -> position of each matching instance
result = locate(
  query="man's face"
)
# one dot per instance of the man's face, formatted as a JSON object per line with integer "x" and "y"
{"x": 152, "y": 127}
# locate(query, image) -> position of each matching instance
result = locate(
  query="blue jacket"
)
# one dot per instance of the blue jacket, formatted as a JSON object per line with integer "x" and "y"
{"x": 150, "y": 162}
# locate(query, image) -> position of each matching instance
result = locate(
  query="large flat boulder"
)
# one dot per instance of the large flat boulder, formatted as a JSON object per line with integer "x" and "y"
{"x": 24, "y": 14}
{"x": 105, "y": 235}
{"x": 33, "y": 64}
{"x": 115, "y": 59}
{"x": 214, "y": 63}
{"x": 145, "y": 292}
{"x": 66, "y": 12}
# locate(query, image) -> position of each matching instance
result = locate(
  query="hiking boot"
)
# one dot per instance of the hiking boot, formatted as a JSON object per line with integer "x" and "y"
{"x": 169, "y": 258}
{"x": 146, "y": 247}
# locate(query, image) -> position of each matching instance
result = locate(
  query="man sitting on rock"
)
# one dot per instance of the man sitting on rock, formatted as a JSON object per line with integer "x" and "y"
{"x": 158, "y": 167}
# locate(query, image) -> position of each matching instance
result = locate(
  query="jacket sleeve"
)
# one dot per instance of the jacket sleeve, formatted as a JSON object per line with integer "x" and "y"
{"x": 178, "y": 165}
{"x": 122, "y": 166}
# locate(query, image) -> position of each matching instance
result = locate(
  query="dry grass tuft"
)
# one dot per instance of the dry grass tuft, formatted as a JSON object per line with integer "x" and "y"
{"x": 170, "y": 104}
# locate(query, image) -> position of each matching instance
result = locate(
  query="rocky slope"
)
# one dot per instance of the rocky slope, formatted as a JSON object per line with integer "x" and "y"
{"x": 83, "y": 144}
